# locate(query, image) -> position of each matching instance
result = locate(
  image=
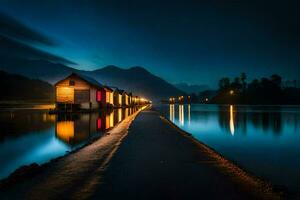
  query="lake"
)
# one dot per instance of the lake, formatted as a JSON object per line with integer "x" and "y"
{"x": 31, "y": 135}
{"x": 264, "y": 140}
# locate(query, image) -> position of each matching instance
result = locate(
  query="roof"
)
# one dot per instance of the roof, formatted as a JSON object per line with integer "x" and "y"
{"x": 108, "y": 88}
{"x": 115, "y": 89}
{"x": 85, "y": 78}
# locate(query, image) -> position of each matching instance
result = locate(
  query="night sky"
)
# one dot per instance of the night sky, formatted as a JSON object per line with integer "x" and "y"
{"x": 184, "y": 41}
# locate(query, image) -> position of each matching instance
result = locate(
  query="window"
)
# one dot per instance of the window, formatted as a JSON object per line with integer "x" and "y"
{"x": 71, "y": 82}
{"x": 99, "y": 97}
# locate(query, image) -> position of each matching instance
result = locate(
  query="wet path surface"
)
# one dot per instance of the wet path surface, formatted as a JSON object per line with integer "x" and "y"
{"x": 156, "y": 162}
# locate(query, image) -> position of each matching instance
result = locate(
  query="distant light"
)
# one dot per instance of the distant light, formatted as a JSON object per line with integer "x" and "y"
{"x": 231, "y": 92}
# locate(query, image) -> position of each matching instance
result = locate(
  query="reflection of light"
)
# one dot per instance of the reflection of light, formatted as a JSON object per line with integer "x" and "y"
{"x": 119, "y": 114}
{"x": 111, "y": 119}
{"x": 172, "y": 112}
{"x": 65, "y": 130}
{"x": 181, "y": 115}
{"x": 231, "y": 122}
{"x": 107, "y": 121}
{"x": 99, "y": 123}
{"x": 43, "y": 107}
{"x": 189, "y": 114}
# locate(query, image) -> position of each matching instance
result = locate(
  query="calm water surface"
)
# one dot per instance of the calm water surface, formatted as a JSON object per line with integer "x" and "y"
{"x": 265, "y": 140}
{"x": 32, "y": 135}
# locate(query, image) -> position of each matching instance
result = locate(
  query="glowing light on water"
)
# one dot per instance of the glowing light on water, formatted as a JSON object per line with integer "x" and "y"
{"x": 231, "y": 121}
{"x": 189, "y": 114}
{"x": 119, "y": 114}
{"x": 181, "y": 115}
{"x": 65, "y": 130}
{"x": 172, "y": 112}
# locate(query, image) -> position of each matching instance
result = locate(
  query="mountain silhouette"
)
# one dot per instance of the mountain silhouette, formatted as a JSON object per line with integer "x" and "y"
{"x": 194, "y": 88}
{"x": 17, "y": 87}
{"x": 135, "y": 79}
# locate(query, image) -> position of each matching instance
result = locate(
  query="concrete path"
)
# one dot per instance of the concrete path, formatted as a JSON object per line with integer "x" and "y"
{"x": 155, "y": 161}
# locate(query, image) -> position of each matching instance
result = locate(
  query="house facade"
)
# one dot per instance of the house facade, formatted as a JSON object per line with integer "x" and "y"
{"x": 77, "y": 91}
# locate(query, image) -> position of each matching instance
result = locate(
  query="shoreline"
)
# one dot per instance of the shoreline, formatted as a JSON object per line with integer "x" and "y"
{"x": 265, "y": 188}
{"x": 20, "y": 175}
{"x": 245, "y": 180}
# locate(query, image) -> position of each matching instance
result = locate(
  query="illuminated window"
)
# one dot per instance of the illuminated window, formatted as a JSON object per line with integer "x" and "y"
{"x": 107, "y": 97}
{"x": 99, "y": 96}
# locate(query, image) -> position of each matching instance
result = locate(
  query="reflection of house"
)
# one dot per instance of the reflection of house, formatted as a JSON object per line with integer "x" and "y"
{"x": 109, "y": 120}
{"x": 76, "y": 128}
{"x": 79, "y": 91}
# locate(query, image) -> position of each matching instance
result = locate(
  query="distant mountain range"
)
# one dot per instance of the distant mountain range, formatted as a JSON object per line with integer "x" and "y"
{"x": 17, "y": 87}
{"x": 135, "y": 79}
{"x": 191, "y": 88}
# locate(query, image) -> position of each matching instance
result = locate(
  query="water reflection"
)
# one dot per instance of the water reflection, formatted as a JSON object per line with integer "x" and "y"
{"x": 76, "y": 128}
{"x": 172, "y": 112}
{"x": 35, "y": 136}
{"x": 262, "y": 139}
{"x": 181, "y": 114}
{"x": 189, "y": 114}
{"x": 231, "y": 122}
{"x": 232, "y": 117}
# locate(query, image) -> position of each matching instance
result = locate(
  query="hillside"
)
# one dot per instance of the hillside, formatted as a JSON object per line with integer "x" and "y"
{"x": 36, "y": 69}
{"x": 135, "y": 79}
{"x": 193, "y": 88}
{"x": 17, "y": 87}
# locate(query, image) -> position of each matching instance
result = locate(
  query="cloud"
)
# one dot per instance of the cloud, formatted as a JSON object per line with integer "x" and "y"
{"x": 10, "y": 48}
{"x": 16, "y": 40}
{"x": 12, "y": 28}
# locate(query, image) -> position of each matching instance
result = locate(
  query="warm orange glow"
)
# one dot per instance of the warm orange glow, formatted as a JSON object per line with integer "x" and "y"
{"x": 231, "y": 92}
{"x": 189, "y": 114}
{"x": 119, "y": 114}
{"x": 231, "y": 121}
{"x": 107, "y": 97}
{"x": 65, "y": 130}
{"x": 111, "y": 119}
{"x": 120, "y": 99}
{"x": 107, "y": 121}
{"x": 65, "y": 94}
{"x": 126, "y": 112}
{"x": 181, "y": 115}
{"x": 172, "y": 112}
{"x": 111, "y": 98}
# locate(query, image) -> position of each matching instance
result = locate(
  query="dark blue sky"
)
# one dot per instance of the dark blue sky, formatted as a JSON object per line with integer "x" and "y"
{"x": 185, "y": 41}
